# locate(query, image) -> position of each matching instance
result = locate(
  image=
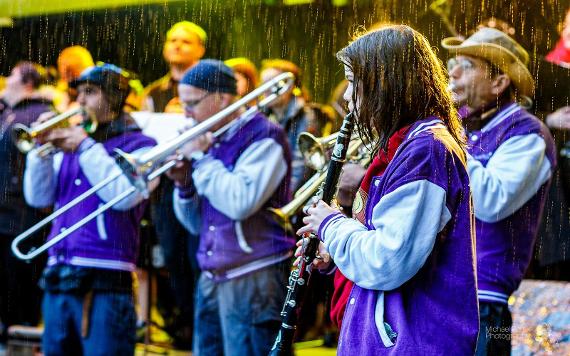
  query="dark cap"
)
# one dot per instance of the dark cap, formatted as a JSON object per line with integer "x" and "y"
{"x": 110, "y": 78}
{"x": 211, "y": 75}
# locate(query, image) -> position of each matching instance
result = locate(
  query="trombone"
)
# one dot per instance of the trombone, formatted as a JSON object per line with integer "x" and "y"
{"x": 153, "y": 163}
{"x": 26, "y": 137}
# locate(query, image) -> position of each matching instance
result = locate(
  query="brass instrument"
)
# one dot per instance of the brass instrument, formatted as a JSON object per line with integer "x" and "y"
{"x": 315, "y": 150}
{"x": 25, "y": 137}
{"x": 156, "y": 161}
{"x": 308, "y": 190}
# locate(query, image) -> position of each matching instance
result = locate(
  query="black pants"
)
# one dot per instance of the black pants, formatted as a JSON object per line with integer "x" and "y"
{"x": 20, "y": 296}
{"x": 494, "y": 330}
{"x": 176, "y": 292}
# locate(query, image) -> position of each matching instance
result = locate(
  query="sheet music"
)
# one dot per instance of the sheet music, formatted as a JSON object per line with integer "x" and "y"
{"x": 161, "y": 126}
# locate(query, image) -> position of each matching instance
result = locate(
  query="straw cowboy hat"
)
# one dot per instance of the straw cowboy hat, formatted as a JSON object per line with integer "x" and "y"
{"x": 500, "y": 50}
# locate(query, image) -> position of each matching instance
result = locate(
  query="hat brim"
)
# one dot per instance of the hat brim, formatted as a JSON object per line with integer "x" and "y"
{"x": 75, "y": 83}
{"x": 498, "y": 56}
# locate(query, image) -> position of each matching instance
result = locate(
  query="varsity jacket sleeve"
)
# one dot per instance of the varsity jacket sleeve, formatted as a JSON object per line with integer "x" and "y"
{"x": 40, "y": 179}
{"x": 406, "y": 221}
{"x": 513, "y": 175}
{"x": 187, "y": 209}
{"x": 241, "y": 191}
{"x": 97, "y": 165}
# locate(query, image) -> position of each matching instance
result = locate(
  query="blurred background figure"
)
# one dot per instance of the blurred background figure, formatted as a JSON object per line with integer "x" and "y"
{"x": 70, "y": 63}
{"x": 552, "y": 256}
{"x": 184, "y": 46}
{"x": 295, "y": 114}
{"x": 246, "y": 74}
{"x": 20, "y": 296}
{"x": 561, "y": 53}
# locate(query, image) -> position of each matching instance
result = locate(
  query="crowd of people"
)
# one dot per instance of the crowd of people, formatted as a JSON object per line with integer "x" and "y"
{"x": 425, "y": 245}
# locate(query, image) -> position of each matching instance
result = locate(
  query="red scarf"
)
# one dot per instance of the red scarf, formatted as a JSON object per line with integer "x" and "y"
{"x": 343, "y": 286}
{"x": 559, "y": 54}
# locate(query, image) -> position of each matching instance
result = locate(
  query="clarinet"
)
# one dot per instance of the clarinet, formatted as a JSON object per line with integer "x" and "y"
{"x": 299, "y": 277}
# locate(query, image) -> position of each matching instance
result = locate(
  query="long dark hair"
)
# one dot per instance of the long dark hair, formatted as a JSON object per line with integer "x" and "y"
{"x": 398, "y": 80}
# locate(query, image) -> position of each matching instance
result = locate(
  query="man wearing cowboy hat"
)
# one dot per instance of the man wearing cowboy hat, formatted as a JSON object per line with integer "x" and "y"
{"x": 510, "y": 165}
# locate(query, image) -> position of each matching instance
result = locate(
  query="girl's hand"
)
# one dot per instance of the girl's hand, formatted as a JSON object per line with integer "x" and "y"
{"x": 315, "y": 216}
{"x": 323, "y": 259}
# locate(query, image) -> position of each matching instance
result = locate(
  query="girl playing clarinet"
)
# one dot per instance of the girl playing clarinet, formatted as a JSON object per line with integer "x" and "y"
{"x": 406, "y": 268}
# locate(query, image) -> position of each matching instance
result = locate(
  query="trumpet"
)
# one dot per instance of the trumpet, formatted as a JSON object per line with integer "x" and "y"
{"x": 25, "y": 137}
{"x": 307, "y": 191}
{"x": 156, "y": 161}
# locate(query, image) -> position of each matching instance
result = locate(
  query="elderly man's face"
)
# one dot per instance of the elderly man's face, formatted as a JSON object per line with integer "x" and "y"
{"x": 199, "y": 104}
{"x": 183, "y": 48}
{"x": 471, "y": 81}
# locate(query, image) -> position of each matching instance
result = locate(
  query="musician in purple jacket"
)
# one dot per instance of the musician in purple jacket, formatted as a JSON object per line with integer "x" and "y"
{"x": 411, "y": 253}
{"x": 510, "y": 163}
{"x": 88, "y": 303}
{"x": 224, "y": 189}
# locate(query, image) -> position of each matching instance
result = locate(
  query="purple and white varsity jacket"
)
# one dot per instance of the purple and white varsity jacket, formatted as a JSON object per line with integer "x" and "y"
{"x": 243, "y": 174}
{"x": 111, "y": 240}
{"x": 413, "y": 261}
{"x": 511, "y": 161}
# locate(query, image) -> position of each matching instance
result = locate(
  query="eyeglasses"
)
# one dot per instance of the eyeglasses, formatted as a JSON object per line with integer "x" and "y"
{"x": 466, "y": 64}
{"x": 192, "y": 103}
{"x": 463, "y": 63}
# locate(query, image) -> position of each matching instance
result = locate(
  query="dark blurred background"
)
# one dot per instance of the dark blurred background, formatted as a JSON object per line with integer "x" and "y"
{"x": 306, "y": 32}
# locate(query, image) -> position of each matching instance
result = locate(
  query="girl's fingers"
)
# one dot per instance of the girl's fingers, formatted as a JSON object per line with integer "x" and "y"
{"x": 305, "y": 229}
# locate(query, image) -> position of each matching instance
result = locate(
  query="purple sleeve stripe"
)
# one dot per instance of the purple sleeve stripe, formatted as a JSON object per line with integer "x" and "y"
{"x": 186, "y": 192}
{"x": 326, "y": 222}
{"x": 86, "y": 144}
{"x": 330, "y": 270}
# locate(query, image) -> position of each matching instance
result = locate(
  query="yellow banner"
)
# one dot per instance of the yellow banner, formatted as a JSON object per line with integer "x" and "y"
{"x": 24, "y": 8}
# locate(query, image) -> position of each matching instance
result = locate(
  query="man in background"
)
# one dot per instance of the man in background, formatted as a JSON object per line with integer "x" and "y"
{"x": 184, "y": 46}
{"x": 20, "y": 297}
{"x": 510, "y": 164}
